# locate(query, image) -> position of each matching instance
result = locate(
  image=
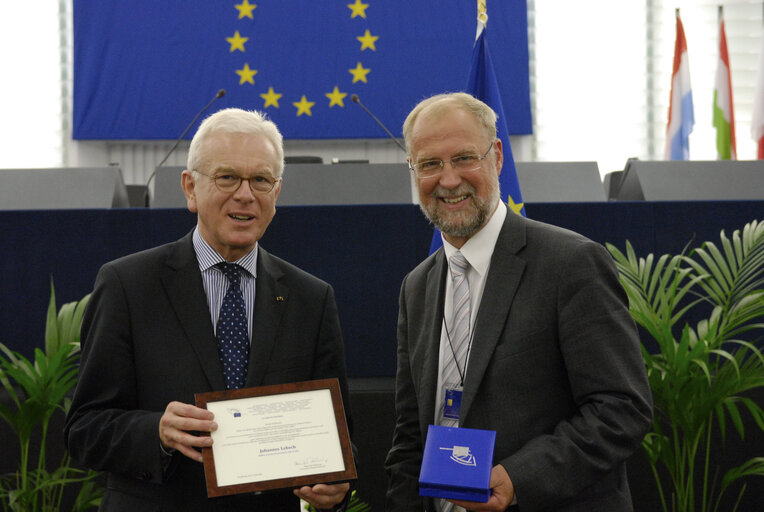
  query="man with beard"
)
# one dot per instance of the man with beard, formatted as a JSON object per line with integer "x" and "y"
{"x": 523, "y": 323}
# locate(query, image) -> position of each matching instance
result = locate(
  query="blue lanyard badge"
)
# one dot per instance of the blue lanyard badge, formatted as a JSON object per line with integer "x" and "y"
{"x": 453, "y": 403}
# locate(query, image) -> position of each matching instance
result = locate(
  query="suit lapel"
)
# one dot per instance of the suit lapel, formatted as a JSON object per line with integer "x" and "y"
{"x": 270, "y": 299}
{"x": 502, "y": 281}
{"x": 433, "y": 319}
{"x": 183, "y": 282}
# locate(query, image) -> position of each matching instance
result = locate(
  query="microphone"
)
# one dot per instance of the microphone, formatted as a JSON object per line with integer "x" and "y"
{"x": 355, "y": 99}
{"x": 219, "y": 94}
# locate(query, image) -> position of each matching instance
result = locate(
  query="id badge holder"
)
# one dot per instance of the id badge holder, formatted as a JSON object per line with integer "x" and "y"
{"x": 453, "y": 402}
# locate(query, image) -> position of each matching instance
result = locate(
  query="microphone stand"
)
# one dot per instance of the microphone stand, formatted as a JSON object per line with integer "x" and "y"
{"x": 219, "y": 94}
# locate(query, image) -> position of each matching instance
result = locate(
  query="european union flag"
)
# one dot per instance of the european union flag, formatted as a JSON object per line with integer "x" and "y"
{"x": 483, "y": 85}
{"x": 143, "y": 69}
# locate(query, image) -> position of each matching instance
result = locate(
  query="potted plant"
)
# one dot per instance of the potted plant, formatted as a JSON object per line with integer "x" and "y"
{"x": 699, "y": 376}
{"x": 38, "y": 389}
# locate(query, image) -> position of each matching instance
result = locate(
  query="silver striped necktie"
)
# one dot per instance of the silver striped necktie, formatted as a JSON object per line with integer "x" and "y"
{"x": 455, "y": 360}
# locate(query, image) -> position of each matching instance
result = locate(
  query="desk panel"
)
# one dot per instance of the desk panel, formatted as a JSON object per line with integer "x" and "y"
{"x": 363, "y": 251}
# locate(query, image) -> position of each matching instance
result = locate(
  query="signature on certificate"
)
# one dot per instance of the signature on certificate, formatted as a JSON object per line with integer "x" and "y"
{"x": 311, "y": 462}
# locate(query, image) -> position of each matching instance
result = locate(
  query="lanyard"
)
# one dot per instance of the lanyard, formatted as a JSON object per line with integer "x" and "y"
{"x": 453, "y": 352}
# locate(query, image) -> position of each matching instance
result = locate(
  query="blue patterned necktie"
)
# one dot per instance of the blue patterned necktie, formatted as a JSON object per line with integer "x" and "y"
{"x": 232, "y": 331}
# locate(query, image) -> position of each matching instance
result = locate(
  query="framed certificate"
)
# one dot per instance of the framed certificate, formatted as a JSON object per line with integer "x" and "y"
{"x": 277, "y": 437}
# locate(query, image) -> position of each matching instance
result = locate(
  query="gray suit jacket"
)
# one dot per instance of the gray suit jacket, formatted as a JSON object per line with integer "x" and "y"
{"x": 555, "y": 369}
{"x": 147, "y": 339}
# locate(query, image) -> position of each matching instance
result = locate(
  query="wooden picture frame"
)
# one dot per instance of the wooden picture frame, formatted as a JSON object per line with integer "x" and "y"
{"x": 277, "y": 437}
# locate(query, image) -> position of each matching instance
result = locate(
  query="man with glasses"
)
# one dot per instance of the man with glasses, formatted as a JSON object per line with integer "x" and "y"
{"x": 209, "y": 312}
{"x": 513, "y": 326}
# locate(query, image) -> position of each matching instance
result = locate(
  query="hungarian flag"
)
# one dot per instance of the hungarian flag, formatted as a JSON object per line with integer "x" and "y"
{"x": 681, "y": 117}
{"x": 757, "y": 123}
{"x": 724, "y": 114}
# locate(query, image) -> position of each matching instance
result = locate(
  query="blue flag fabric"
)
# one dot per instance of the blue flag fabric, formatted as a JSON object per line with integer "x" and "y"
{"x": 483, "y": 85}
{"x": 143, "y": 69}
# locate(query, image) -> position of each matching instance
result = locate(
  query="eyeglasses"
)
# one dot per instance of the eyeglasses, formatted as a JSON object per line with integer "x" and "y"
{"x": 462, "y": 162}
{"x": 230, "y": 182}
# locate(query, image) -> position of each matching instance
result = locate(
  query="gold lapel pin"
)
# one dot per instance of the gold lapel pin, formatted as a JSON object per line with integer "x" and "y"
{"x": 279, "y": 298}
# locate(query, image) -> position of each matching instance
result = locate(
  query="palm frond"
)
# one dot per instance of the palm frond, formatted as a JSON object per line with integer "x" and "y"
{"x": 698, "y": 376}
{"x": 38, "y": 388}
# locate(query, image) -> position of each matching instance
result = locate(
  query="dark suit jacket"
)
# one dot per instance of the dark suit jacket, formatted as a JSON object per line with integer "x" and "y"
{"x": 555, "y": 369}
{"x": 147, "y": 339}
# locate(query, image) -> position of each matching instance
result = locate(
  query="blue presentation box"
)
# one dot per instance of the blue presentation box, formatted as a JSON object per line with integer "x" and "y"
{"x": 457, "y": 463}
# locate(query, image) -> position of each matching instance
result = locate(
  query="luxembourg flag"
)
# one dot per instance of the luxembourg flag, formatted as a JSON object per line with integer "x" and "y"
{"x": 724, "y": 115}
{"x": 681, "y": 117}
{"x": 757, "y": 123}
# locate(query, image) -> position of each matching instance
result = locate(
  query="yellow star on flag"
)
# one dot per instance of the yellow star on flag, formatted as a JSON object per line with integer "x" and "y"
{"x": 237, "y": 42}
{"x": 336, "y": 97}
{"x": 359, "y": 73}
{"x": 303, "y": 106}
{"x": 368, "y": 40}
{"x": 246, "y": 74}
{"x": 245, "y": 9}
{"x": 358, "y": 8}
{"x": 517, "y": 208}
{"x": 271, "y": 98}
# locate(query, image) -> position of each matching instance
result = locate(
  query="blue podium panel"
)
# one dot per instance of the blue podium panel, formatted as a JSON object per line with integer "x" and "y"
{"x": 364, "y": 252}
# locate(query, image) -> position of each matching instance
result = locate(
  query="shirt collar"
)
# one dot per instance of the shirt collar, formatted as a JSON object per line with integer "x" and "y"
{"x": 209, "y": 257}
{"x": 479, "y": 248}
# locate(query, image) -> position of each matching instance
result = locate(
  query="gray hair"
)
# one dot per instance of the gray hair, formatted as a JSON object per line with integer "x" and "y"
{"x": 236, "y": 120}
{"x": 484, "y": 114}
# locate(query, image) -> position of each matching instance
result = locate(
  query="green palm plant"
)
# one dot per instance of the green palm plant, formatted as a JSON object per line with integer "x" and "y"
{"x": 38, "y": 389}
{"x": 699, "y": 376}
